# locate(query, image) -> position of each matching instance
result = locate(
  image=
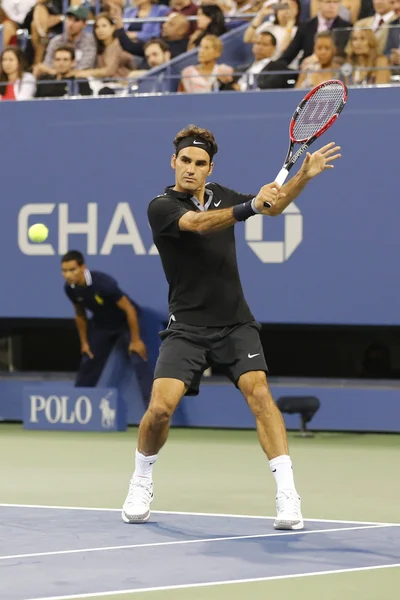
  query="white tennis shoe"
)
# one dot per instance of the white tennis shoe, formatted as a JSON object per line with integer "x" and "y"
{"x": 288, "y": 508}
{"x": 136, "y": 508}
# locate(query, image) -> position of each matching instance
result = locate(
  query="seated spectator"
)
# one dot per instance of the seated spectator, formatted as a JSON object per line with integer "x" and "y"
{"x": 142, "y": 32}
{"x": 46, "y": 16}
{"x": 349, "y": 9}
{"x": 210, "y": 21}
{"x": 242, "y": 7}
{"x": 187, "y": 8}
{"x": 364, "y": 57}
{"x": 64, "y": 63}
{"x": 384, "y": 15}
{"x": 207, "y": 76}
{"x": 134, "y": 47}
{"x": 283, "y": 26}
{"x": 112, "y": 60}
{"x": 392, "y": 49}
{"x": 326, "y": 20}
{"x": 16, "y": 84}
{"x": 16, "y": 15}
{"x": 157, "y": 53}
{"x": 74, "y": 36}
{"x": 320, "y": 66}
{"x": 259, "y": 74}
{"x": 175, "y": 32}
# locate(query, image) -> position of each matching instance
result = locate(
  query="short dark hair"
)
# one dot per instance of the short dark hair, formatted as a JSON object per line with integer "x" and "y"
{"x": 69, "y": 49}
{"x": 199, "y": 132}
{"x": 159, "y": 42}
{"x": 73, "y": 255}
{"x": 271, "y": 35}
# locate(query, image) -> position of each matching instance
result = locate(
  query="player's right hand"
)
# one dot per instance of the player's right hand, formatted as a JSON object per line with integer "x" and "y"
{"x": 268, "y": 193}
{"x": 85, "y": 349}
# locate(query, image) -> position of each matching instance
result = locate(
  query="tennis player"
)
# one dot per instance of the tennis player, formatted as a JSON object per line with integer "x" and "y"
{"x": 210, "y": 322}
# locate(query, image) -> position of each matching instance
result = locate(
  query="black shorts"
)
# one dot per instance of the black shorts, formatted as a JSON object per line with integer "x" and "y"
{"x": 187, "y": 351}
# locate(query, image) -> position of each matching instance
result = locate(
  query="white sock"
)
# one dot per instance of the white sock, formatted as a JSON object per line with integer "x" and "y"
{"x": 144, "y": 465}
{"x": 282, "y": 470}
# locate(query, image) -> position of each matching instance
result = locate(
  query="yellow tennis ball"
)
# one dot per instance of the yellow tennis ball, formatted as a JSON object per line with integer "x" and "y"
{"x": 38, "y": 232}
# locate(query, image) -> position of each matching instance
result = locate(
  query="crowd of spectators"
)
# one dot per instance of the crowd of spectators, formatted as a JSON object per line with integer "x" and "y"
{"x": 98, "y": 49}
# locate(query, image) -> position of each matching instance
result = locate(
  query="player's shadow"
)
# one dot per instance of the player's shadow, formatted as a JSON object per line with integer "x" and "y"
{"x": 313, "y": 549}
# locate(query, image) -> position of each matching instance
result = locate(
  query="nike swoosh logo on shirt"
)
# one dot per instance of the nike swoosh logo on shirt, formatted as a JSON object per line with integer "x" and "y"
{"x": 253, "y": 355}
{"x": 217, "y": 203}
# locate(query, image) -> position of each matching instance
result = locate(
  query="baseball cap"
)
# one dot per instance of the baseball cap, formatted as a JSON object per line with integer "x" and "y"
{"x": 79, "y": 12}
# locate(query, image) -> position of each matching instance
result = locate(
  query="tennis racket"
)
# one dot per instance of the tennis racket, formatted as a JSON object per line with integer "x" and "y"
{"x": 313, "y": 116}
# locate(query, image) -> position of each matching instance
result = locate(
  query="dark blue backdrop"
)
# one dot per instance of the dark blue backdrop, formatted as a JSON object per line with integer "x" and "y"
{"x": 334, "y": 260}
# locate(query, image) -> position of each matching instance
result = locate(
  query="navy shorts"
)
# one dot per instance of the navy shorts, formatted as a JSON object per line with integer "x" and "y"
{"x": 187, "y": 351}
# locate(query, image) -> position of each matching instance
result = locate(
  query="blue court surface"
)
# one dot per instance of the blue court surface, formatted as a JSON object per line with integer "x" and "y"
{"x": 55, "y": 552}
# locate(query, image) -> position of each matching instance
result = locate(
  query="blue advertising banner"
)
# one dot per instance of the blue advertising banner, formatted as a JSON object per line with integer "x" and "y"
{"x": 88, "y": 169}
{"x": 73, "y": 409}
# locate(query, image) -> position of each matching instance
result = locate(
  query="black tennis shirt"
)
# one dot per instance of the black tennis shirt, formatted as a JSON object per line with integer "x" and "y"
{"x": 201, "y": 270}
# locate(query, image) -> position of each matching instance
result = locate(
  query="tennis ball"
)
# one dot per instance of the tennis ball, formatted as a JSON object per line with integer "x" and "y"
{"x": 38, "y": 232}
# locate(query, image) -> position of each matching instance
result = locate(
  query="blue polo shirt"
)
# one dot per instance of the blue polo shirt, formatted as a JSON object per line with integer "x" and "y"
{"x": 100, "y": 296}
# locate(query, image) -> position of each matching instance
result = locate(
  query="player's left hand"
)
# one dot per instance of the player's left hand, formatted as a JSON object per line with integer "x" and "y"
{"x": 319, "y": 161}
{"x": 139, "y": 348}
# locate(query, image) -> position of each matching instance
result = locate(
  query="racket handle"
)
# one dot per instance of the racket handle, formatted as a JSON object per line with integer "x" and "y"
{"x": 281, "y": 177}
{"x": 280, "y": 180}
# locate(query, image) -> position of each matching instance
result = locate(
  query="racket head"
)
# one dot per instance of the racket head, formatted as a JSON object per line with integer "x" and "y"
{"x": 318, "y": 110}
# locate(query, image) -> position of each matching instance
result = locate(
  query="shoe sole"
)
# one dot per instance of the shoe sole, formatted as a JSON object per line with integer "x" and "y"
{"x": 135, "y": 520}
{"x": 289, "y": 525}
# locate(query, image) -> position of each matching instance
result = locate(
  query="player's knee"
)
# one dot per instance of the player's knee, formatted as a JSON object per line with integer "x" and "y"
{"x": 260, "y": 400}
{"x": 160, "y": 410}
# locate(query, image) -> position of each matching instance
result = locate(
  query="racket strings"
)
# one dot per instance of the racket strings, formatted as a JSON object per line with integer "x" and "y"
{"x": 318, "y": 110}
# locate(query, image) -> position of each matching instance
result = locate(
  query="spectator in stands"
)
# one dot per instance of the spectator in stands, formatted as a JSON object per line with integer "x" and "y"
{"x": 175, "y": 31}
{"x": 366, "y": 60}
{"x": 63, "y": 81}
{"x": 16, "y": 15}
{"x": 392, "y": 49}
{"x": 210, "y": 21}
{"x": 283, "y": 26}
{"x": 348, "y": 10}
{"x": 114, "y": 11}
{"x": 384, "y": 15}
{"x": 142, "y": 32}
{"x": 47, "y": 15}
{"x": 15, "y": 82}
{"x": 207, "y": 75}
{"x": 259, "y": 74}
{"x": 326, "y": 20}
{"x": 320, "y": 66}
{"x": 187, "y": 8}
{"x": 74, "y": 36}
{"x": 157, "y": 53}
{"x": 242, "y": 7}
{"x": 112, "y": 60}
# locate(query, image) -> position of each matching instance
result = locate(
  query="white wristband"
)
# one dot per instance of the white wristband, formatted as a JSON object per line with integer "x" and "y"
{"x": 253, "y": 206}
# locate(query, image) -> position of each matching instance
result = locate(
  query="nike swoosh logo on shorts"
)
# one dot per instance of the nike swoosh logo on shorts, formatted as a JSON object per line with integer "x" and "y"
{"x": 217, "y": 203}
{"x": 253, "y": 355}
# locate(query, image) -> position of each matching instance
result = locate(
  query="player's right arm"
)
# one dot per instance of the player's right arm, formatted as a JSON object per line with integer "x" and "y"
{"x": 82, "y": 327}
{"x": 168, "y": 217}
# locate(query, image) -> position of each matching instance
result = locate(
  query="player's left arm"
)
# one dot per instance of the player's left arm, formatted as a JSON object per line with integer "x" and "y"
{"x": 136, "y": 344}
{"x": 313, "y": 165}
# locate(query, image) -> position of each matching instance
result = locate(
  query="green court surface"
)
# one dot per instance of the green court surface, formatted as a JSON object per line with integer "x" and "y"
{"x": 352, "y": 477}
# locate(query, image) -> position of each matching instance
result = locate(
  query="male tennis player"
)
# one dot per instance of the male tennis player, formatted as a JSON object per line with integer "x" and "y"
{"x": 210, "y": 322}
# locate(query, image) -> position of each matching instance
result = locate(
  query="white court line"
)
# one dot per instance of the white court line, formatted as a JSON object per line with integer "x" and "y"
{"x": 194, "y": 514}
{"x": 213, "y": 583}
{"x": 199, "y": 541}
